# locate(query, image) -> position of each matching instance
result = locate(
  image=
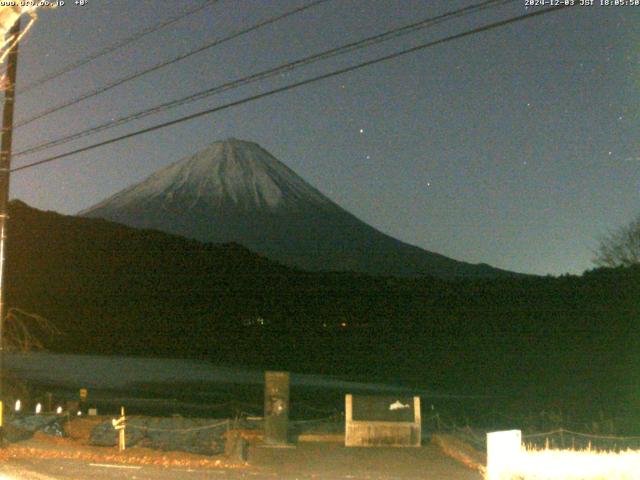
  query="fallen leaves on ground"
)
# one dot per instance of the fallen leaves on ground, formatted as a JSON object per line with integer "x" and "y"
{"x": 75, "y": 447}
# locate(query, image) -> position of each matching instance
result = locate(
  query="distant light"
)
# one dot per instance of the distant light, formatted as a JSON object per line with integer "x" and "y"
{"x": 18, "y": 405}
{"x": 79, "y": 413}
{"x": 59, "y": 410}
{"x": 38, "y": 409}
{"x": 362, "y": 130}
{"x": 343, "y": 324}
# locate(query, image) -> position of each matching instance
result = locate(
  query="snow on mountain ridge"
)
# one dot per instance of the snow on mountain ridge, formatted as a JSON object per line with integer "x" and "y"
{"x": 227, "y": 171}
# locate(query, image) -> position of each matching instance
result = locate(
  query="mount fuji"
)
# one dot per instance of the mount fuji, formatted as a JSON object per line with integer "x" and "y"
{"x": 235, "y": 191}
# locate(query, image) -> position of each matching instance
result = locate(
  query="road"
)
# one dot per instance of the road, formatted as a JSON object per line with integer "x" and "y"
{"x": 306, "y": 462}
{"x": 56, "y": 469}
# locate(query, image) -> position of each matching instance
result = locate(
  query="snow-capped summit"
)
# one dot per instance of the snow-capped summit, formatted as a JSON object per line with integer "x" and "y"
{"x": 231, "y": 174}
{"x": 235, "y": 191}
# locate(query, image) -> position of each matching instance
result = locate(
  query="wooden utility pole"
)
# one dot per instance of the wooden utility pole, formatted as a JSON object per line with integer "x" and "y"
{"x": 5, "y": 168}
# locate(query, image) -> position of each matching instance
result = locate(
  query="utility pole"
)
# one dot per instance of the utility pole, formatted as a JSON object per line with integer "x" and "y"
{"x": 5, "y": 168}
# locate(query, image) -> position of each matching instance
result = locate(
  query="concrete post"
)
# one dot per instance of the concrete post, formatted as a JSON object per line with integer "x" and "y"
{"x": 276, "y": 408}
{"x": 503, "y": 451}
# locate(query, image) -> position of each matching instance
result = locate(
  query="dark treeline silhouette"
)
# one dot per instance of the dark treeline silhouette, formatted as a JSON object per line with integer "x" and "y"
{"x": 569, "y": 342}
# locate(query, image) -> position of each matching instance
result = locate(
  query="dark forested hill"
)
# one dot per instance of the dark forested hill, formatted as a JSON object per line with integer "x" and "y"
{"x": 114, "y": 289}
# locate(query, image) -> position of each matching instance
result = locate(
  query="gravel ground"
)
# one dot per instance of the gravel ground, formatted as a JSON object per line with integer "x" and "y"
{"x": 37, "y": 459}
{"x": 45, "y": 458}
{"x": 334, "y": 461}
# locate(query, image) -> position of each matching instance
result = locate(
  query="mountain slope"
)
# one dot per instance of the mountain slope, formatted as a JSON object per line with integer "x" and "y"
{"x": 235, "y": 191}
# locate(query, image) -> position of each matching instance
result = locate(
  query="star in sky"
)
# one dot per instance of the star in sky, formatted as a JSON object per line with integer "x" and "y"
{"x": 595, "y": 57}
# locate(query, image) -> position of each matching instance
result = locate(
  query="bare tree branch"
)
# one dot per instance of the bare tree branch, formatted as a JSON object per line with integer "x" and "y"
{"x": 24, "y": 331}
{"x": 620, "y": 247}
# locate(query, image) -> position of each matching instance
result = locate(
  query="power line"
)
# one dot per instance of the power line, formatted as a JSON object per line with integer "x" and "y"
{"x": 111, "y": 48}
{"x": 301, "y": 83}
{"x": 158, "y": 66}
{"x": 287, "y": 67}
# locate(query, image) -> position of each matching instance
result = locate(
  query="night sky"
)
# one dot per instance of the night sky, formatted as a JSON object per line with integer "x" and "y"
{"x": 517, "y": 147}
